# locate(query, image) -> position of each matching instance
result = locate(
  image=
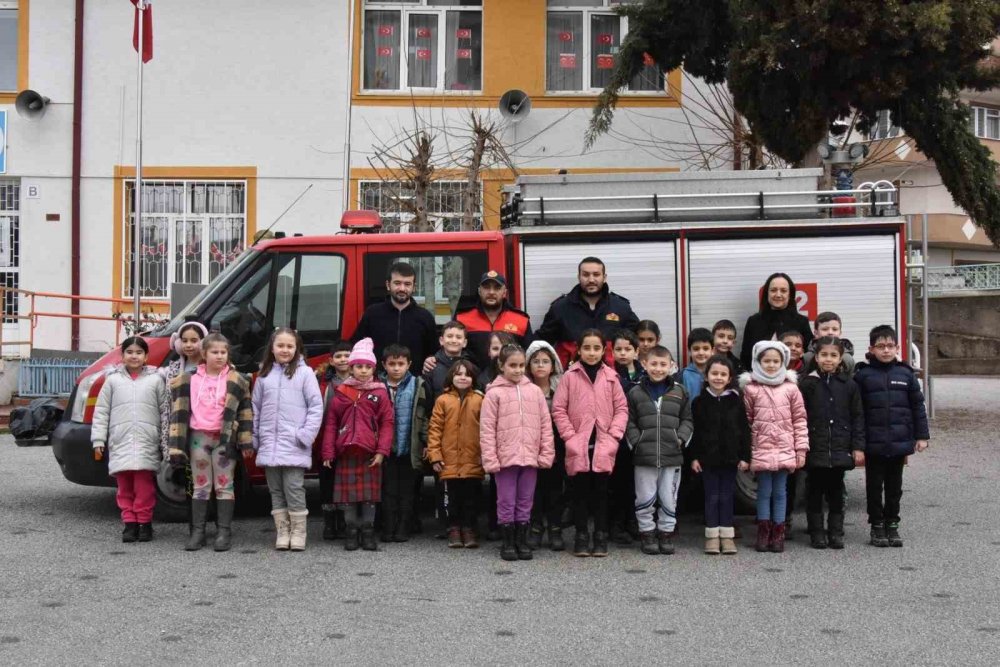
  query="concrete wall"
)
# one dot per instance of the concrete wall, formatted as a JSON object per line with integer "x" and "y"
{"x": 965, "y": 334}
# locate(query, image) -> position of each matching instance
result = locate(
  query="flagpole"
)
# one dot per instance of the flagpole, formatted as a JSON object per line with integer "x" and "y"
{"x": 137, "y": 191}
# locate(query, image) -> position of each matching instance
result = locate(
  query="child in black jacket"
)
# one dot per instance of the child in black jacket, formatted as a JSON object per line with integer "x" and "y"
{"x": 720, "y": 446}
{"x": 836, "y": 439}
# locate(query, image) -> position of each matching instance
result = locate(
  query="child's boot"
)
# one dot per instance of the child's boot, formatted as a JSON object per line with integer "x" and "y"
{"x": 521, "y": 542}
{"x": 535, "y": 533}
{"x": 713, "y": 546}
{"x": 331, "y": 525}
{"x": 727, "y": 539}
{"x": 556, "y": 542}
{"x": 469, "y": 538}
{"x": 282, "y": 527}
{"x": 145, "y": 532}
{"x": 600, "y": 549}
{"x": 892, "y": 535}
{"x": 351, "y": 541}
{"x": 455, "y": 538}
{"x": 199, "y": 513}
{"x": 835, "y": 531}
{"x": 878, "y": 537}
{"x": 763, "y": 535}
{"x": 581, "y": 544}
{"x": 368, "y": 541}
{"x": 817, "y": 535}
{"x": 131, "y": 532}
{"x": 777, "y": 544}
{"x": 299, "y": 531}
{"x": 507, "y": 549}
{"x": 649, "y": 545}
{"x": 665, "y": 541}
{"x": 224, "y": 523}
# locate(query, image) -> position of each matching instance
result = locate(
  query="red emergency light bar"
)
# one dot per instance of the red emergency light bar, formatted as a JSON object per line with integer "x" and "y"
{"x": 360, "y": 222}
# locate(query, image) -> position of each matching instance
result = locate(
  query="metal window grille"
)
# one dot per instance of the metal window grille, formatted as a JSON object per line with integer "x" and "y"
{"x": 191, "y": 230}
{"x": 445, "y": 203}
{"x": 10, "y": 245}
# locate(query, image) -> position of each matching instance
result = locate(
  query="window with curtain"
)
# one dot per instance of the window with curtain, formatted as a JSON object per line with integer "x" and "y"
{"x": 582, "y": 48}
{"x": 8, "y": 45}
{"x": 441, "y": 39}
{"x": 190, "y": 232}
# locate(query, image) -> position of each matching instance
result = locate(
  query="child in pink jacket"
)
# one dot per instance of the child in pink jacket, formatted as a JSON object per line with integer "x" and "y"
{"x": 780, "y": 432}
{"x": 516, "y": 439}
{"x": 591, "y": 413}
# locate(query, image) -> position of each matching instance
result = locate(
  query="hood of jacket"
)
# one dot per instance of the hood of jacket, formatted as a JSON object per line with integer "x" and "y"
{"x": 759, "y": 348}
{"x": 537, "y": 345}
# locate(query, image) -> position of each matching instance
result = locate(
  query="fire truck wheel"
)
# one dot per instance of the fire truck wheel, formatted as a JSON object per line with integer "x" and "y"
{"x": 171, "y": 496}
{"x": 746, "y": 493}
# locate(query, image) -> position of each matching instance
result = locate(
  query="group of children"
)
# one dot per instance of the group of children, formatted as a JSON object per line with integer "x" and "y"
{"x": 605, "y": 445}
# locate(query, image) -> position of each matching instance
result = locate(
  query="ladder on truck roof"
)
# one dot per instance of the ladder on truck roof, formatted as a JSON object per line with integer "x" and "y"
{"x": 871, "y": 199}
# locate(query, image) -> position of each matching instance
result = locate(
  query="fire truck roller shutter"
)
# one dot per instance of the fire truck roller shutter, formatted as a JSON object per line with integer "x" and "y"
{"x": 643, "y": 272}
{"x": 856, "y": 277}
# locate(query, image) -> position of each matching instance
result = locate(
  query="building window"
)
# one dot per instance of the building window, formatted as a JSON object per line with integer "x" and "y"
{"x": 885, "y": 127}
{"x": 191, "y": 230}
{"x": 8, "y": 45}
{"x": 985, "y": 122}
{"x": 583, "y": 39}
{"x": 445, "y": 205}
{"x": 443, "y": 47}
{"x": 10, "y": 246}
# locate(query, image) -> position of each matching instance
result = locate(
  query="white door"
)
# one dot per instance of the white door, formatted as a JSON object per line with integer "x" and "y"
{"x": 644, "y": 272}
{"x": 856, "y": 277}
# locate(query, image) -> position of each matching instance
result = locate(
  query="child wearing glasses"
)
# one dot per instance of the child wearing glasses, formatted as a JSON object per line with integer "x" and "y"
{"x": 895, "y": 427}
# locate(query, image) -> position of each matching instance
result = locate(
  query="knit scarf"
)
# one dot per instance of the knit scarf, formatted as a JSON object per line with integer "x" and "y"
{"x": 402, "y": 406}
{"x": 757, "y": 371}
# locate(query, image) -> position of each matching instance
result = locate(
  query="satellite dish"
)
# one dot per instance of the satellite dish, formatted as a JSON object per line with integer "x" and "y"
{"x": 515, "y": 105}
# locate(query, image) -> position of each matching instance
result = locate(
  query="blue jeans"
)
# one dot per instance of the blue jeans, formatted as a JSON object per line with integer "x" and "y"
{"x": 720, "y": 484}
{"x": 771, "y": 495}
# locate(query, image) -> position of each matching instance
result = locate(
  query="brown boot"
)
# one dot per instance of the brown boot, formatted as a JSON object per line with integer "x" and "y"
{"x": 455, "y": 538}
{"x": 712, "y": 546}
{"x": 469, "y": 538}
{"x": 727, "y": 539}
{"x": 763, "y": 535}
{"x": 777, "y": 544}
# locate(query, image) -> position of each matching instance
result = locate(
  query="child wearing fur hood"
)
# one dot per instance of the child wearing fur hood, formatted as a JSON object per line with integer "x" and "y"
{"x": 780, "y": 436}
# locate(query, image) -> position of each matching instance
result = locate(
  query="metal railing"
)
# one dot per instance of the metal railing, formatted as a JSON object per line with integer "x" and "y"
{"x": 968, "y": 278}
{"x": 49, "y": 377}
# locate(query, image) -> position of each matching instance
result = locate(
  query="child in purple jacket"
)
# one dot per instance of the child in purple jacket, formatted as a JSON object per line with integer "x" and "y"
{"x": 287, "y": 414}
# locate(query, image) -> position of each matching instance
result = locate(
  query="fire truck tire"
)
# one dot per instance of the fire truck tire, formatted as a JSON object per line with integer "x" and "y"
{"x": 171, "y": 496}
{"x": 746, "y": 493}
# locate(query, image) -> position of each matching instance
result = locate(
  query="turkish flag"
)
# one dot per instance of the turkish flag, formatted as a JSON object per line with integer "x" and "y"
{"x": 384, "y": 51}
{"x": 606, "y": 38}
{"x": 566, "y": 36}
{"x": 465, "y": 54}
{"x": 463, "y": 33}
{"x": 423, "y": 33}
{"x": 605, "y": 61}
{"x": 423, "y": 54}
{"x": 567, "y": 60}
{"x": 385, "y": 30}
{"x": 147, "y": 30}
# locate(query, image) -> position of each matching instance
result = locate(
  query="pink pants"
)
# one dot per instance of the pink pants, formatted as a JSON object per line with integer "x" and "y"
{"x": 136, "y": 495}
{"x": 515, "y": 494}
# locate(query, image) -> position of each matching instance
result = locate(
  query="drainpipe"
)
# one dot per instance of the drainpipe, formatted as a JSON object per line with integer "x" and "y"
{"x": 75, "y": 179}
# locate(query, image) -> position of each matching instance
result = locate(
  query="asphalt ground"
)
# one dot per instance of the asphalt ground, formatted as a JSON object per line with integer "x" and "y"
{"x": 70, "y": 592}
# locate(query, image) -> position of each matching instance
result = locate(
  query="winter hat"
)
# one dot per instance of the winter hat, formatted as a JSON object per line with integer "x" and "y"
{"x": 175, "y": 338}
{"x": 363, "y": 353}
{"x": 557, "y": 369}
{"x": 759, "y": 349}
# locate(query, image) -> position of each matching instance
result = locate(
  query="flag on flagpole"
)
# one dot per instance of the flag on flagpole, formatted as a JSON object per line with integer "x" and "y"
{"x": 147, "y": 30}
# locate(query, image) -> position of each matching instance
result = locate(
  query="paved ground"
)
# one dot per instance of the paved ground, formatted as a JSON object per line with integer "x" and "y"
{"x": 70, "y": 591}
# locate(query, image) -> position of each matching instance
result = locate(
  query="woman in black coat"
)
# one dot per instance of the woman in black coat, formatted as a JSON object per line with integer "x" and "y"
{"x": 776, "y": 315}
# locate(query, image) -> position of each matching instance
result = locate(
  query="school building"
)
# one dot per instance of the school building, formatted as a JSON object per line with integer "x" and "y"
{"x": 248, "y": 104}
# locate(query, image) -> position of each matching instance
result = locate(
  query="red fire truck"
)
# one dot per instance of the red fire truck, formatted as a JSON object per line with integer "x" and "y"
{"x": 686, "y": 249}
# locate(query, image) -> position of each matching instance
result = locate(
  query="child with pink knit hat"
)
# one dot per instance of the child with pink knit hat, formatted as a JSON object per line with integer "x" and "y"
{"x": 358, "y": 435}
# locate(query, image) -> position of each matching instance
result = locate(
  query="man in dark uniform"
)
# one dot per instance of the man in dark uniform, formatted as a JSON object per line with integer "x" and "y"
{"x": 492, "y": 313}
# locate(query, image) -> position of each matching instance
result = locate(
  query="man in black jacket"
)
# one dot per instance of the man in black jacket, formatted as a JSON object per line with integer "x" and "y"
{"x": 589, "y": 305}
{"x": 398, "y": 319}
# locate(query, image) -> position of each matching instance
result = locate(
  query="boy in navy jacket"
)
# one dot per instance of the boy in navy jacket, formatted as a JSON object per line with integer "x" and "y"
{"x": 895, "y": 426}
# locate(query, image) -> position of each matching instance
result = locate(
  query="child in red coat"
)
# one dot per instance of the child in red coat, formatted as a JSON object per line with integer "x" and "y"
{"x": 359, "y": 429}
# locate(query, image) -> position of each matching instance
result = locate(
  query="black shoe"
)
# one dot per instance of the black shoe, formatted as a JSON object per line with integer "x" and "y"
{"x": 556, "y": 542}
{"x": 368, "y": 542}
{"x": 620, "y": 535}
{"x": 196, "y": 539}
{"x": 665, "y": 542}
{"x": 402, "y": 533}
{"x": 145, "y": 532}
{"x": 892, "y": 535}
{"x": 649, "y": 545}
{"x": 351, "y": 541}
{"x": 521, "y": 542}
{"x": 508, "y": 550}
{"x": 600, "y": 544}
{"x": 332, "y": 529}
{"x": 817, "y": 534}
{"x": 581, "y": 544}
{"x": 131, "y": 532}
{"x": 494, "y": 534}
{"x": 817, "y": 540}
{"x": 878, "y": 536}
{"x": 835, "y": 531}
{"x": 535, "y": 533}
